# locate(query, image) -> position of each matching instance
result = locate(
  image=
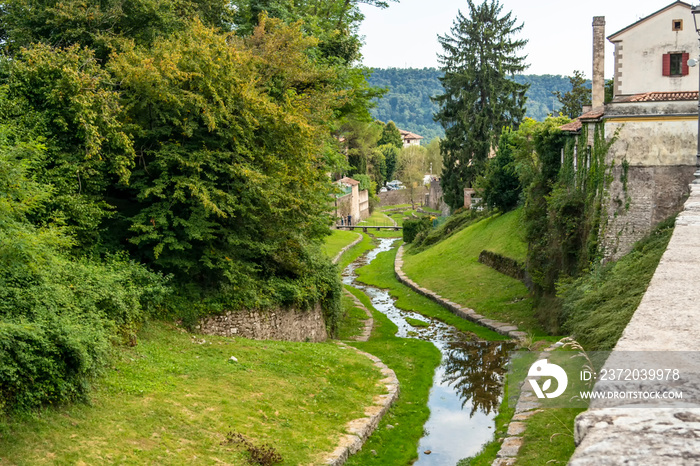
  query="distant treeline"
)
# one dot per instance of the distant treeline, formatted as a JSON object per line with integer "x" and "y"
{"x": 408, "y": 104}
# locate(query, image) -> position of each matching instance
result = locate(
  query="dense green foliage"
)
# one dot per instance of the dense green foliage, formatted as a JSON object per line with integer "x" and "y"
{"x": 408, "y": 100}
{"x": 191, "y": 137}
{"x": 574, "y": 100}
{"x": 597, "y": 306}
{"x": 500, "y": 184}
{"x": 58, "y": 315}
{"x": 411, "y": 228}
{"x": 480, "y": 59}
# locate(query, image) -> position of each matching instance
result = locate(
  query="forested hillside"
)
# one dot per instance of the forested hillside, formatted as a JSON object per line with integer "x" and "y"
{"x": 408, "y": 104}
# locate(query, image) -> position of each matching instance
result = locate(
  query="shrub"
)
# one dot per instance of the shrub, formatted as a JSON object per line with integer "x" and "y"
{"x": 58, "y": 314}
{"x": 412, "y": 227}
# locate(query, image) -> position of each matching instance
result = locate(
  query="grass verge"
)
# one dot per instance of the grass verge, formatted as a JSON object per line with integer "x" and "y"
{"x": 451, "y": 269}
{"x": 353, "y": 321}
{"x": 337, "y": 240}
{"x": 414, "y": 362}
{"x": 174, "y": 397}
{"x": 380, "y": 273}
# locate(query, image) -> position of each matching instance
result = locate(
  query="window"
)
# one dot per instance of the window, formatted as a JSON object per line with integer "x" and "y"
{"x": 675, "y": 64}
{"x": 677, "y": 25}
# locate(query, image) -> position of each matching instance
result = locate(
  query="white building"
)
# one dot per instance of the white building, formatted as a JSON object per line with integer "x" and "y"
{"x": 654, "y": 115}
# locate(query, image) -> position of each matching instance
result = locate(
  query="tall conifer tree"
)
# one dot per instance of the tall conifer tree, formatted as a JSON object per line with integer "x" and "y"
{"x": 480, "y": 60}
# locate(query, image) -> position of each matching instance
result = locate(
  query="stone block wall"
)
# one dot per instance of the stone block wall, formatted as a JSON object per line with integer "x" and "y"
{"x": 401, "y": 196}
{"x": 278, "y": 324}
{"x": 652, "y": 194}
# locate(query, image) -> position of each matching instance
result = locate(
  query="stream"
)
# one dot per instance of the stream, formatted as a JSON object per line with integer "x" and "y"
{"x": 467, "y": 385}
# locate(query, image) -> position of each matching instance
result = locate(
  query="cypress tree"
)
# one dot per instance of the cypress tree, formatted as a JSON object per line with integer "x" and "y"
{"x": 481, "y": 96}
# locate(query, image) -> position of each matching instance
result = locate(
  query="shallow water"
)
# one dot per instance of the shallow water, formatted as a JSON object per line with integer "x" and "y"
{"x": 467, "y": 384}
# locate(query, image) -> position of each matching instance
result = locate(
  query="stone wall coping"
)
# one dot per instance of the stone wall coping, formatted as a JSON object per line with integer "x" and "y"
{"x": 667, "y": 319}
{"x": 506, "y": 329}
{"x": 359, "y": 430}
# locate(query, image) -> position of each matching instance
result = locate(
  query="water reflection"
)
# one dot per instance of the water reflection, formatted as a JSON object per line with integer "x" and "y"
{"x": 476, "y": 371}
{"x": 468, "y": 380}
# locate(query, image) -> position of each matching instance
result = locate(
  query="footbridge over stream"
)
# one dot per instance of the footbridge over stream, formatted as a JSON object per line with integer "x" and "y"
{"x": 666, "y": 328}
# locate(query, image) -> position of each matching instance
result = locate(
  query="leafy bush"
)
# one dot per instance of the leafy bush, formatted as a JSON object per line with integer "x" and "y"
{"x": 412, "y": 227}
{"x": 58, "y": 315}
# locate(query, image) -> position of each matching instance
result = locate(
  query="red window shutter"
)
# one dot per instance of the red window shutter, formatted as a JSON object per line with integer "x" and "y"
{"x": 667, "y": 64}
{"x": 684, "y": 64}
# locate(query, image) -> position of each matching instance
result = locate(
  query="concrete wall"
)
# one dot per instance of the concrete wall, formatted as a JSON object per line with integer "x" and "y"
{"x": 279, "y": 324}
{"x": 639, "y": 51}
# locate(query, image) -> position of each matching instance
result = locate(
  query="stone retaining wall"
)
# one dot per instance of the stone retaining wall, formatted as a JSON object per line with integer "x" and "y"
{"x": 463, "y": 312}
{"x": 667, "y": 319}
{"x": 506, "y": 266}
{"x": 278, "y": 324}
{"x": 360, "y": 429}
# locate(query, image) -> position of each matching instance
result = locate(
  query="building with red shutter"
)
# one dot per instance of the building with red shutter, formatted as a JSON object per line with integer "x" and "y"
{"x": 654, "y": 116}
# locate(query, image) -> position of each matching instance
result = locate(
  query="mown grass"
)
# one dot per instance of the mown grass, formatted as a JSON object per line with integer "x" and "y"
{"x": 414, "y": 362}
{"x": 337, "y": 240}
{"x": 353, "y": 320}
{"x": 173, "y": 398}
{"x": 377, "y": 218}
{"x": 380, "y": 273}
{"x": 356, "y": 251}
{"x": 451, "y": 269}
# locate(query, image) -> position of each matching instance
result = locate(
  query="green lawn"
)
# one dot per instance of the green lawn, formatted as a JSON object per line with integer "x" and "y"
{"x": 337, "y": 240}
{"x": 451, "y": 269}
{"x": 414, "y": 362}
{"x": 380, "y": 273}
{"x": 353, "y": 320}
{"x": 173, "y": 398}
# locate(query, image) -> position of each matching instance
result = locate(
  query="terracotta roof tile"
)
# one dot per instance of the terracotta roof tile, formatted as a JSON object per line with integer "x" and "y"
{"x": 572, "y": 127}
{"x": 349, "y": 181}
{"x": 659, "y": 97}
{"x": 409, "y": 135}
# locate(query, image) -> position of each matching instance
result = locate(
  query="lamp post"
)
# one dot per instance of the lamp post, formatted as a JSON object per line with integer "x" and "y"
{"x": 696, "y": 15}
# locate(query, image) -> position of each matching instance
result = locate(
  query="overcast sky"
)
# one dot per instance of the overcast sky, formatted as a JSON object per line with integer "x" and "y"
{"x": 559, "y": 33}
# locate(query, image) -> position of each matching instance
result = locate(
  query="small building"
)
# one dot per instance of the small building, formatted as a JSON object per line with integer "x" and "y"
{"x": 409, "y": 138}
{"x": 653, "y": 119}
{"x": 351, "y": 201}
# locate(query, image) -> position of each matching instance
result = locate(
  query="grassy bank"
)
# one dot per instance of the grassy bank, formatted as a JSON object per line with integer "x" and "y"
{"x": 337, "y": 240}
{"x": 173, "y": 398}
{"x": 380, "y": 273}
{"x": 414, "y": 362}
{"x": 451, "y": 269}
{"x": 597, "y": 307}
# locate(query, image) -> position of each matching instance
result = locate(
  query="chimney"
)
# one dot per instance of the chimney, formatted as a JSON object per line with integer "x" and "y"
{"x": 598, "y": 84}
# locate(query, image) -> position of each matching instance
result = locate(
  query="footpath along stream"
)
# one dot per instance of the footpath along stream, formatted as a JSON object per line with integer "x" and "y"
{"x": 467, "y": 385}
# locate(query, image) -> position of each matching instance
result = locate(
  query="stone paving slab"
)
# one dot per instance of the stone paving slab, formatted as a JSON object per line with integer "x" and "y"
{"x": 667, "y": 319}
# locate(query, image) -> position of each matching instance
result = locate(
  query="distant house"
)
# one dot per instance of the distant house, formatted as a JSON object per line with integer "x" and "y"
{"x": 409, "y": 138}
{"x": 352, "y": 201}
{"x": 654, "y": 115}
